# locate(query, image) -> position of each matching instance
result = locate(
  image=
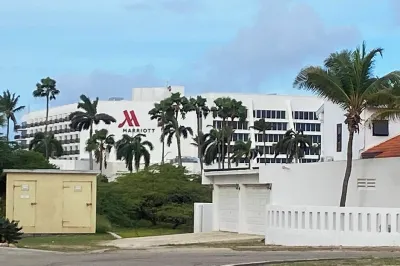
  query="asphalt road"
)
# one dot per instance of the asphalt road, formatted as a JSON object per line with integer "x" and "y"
{"x": 165, "y": 257}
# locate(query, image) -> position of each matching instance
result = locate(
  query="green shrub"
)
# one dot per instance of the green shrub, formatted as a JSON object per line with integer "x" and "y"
{"x": 103, "y": 225}
{"x": 161, "y": 194}
{"x": 2, "y": 207}
{"x": 10, "y": 233}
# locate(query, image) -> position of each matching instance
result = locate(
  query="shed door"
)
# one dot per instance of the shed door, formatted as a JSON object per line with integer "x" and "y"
{"x": 25, "y": 203}
{"x": 77, "y": 204}
{"x": 228, "y": 208}
{"x": 257, "y": 197}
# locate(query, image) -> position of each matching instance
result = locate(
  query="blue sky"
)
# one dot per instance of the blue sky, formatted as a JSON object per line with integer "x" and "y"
{"x": 104, "y": 48}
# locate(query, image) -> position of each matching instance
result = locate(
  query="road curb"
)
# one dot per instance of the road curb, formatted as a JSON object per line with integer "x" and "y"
{"x": 268, "y": 262}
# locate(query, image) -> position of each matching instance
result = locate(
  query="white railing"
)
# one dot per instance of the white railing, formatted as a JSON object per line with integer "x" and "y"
{"x": 203, "y": 217}
{"x": 332, "y": 226}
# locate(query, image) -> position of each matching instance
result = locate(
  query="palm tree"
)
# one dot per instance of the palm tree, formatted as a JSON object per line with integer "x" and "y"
{"x": 132, "y": 149}
{"x": 46, "y": 88}
{"x": 47, "y": 145}
{"x": 101, "y": 144}
{"x": 221, "y": 110}
{"x": 236, "y": 110}
{"x": 262, "y": 126}
{"x": 177, "y": 106}
{"x": 293, "y": 144}
{"x": 84, "y": 120}
{"x": 9, "y": 106}
{"x": 199, "y": 106}
{"x": 316, "y": 149}
{"x": 159, "y": 113}
{"x": 347, "y": 79}
{"x": 214, "y": 143}
{"x": 174, "y": 129}
{"x": 243, "y": 149}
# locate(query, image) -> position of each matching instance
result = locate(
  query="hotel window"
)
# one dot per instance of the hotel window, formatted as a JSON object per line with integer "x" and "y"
{"x": 380, "y": 128}
{"x": 339, "y": 137}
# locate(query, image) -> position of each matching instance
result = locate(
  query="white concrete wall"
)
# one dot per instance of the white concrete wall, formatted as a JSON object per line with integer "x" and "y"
{"x": 203, "y": 218}
{"x": 321, "y": 183}
{"x": 332, "y": 226}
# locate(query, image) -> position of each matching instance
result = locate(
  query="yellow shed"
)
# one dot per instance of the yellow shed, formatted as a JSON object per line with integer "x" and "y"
{"x": 52, "y": 201}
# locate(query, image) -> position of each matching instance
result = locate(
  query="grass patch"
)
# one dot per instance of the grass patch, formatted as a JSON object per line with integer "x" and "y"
{"x": 65, "y": 242}
{"x": 364, "y": 262}
{"x": 148, "y": 231}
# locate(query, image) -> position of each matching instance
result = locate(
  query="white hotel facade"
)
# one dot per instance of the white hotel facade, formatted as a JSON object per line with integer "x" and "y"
{"x": 282, "y": 111}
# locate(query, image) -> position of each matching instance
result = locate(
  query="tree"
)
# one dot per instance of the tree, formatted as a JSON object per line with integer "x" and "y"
{"x": 177, "y": 107}
{"x": 46, "y": 88}
{"x": 293, "y": 144}
{"x": 243, "y": 150}
{"x": 262, "y": 126}
{"x": 132, "y": 149}
{"x": 12, "y": 157}
{"x": 46, "y": 145}
{"x": 9, "y": 106}
{"x": 214, "y": 144}
{"x": 347, "y": 79}
{"x": 160, "y": 194}
{"x": 221, "y": 110}
{"x": 174, "y": 129}
{"x": 101, "y": 144}
{"x": 199, "y": 106}
{"x": 84, "y": 120}
{"x": 227, "y": 108}
{"x": 159, "y": 113}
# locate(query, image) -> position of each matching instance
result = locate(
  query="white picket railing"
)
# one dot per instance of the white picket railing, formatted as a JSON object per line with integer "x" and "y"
{"x": 332, "y": 226}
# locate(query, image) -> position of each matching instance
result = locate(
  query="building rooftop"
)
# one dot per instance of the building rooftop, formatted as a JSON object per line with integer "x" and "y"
{"x": 386, "y": 149}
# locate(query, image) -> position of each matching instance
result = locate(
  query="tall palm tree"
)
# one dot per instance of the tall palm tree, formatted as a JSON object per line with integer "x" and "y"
{"x": 262, "y": 126}
{"x": 85, "y": 119}
{"x": 243, "y": 150}
{"x": 348, "y": 79}
{"x": 293, "y": 144}
{"x": 174, "y": 129}
{"x": 177, "y": 107}
{"x": 221, "y": 110}
{"x": 132, "y": 149}
{"x": 9, "y": 106}
{"x": 101, "y": 144}
{"x": 159, "y": 113}
{"x": 46, "y": 88}
{"x": 214, "y": 143}
{"x": 46, "y": 144}
{"x": 199, "y": 106}
{"x": 236, "y": 110}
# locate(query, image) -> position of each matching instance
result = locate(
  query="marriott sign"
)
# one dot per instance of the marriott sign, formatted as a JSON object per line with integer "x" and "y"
{"x": 131, "y": 124}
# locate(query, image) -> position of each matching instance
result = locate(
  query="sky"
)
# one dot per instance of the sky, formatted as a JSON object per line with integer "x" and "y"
{"x": 106, "y": 47}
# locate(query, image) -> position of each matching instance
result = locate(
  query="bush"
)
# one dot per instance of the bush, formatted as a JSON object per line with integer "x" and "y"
{"x": 161, "y": 194}
{"x": 10, "y": 233}
{"x": 103, "y": 225}
{"x": 2, "y": 207}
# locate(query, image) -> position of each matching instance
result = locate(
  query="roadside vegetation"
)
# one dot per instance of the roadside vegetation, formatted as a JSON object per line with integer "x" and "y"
{"x": 161, "y": 196}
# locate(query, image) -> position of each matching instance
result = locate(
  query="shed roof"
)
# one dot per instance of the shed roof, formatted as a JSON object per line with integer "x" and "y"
{"x": 51, "y": 171}
{"x": 386, "y": 149}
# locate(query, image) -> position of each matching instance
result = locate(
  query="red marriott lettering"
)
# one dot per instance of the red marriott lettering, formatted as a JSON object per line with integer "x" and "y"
{"x": 130, "y": 119}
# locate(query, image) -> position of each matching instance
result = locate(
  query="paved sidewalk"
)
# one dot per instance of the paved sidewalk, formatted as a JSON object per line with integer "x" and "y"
{"x": 181, "y": 239}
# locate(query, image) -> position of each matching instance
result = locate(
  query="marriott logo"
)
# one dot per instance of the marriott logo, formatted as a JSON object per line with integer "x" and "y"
{"x": 131, "y": 124}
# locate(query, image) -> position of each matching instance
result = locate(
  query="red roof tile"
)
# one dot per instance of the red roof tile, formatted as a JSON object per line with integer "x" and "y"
{"x": 389, "y": 148}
